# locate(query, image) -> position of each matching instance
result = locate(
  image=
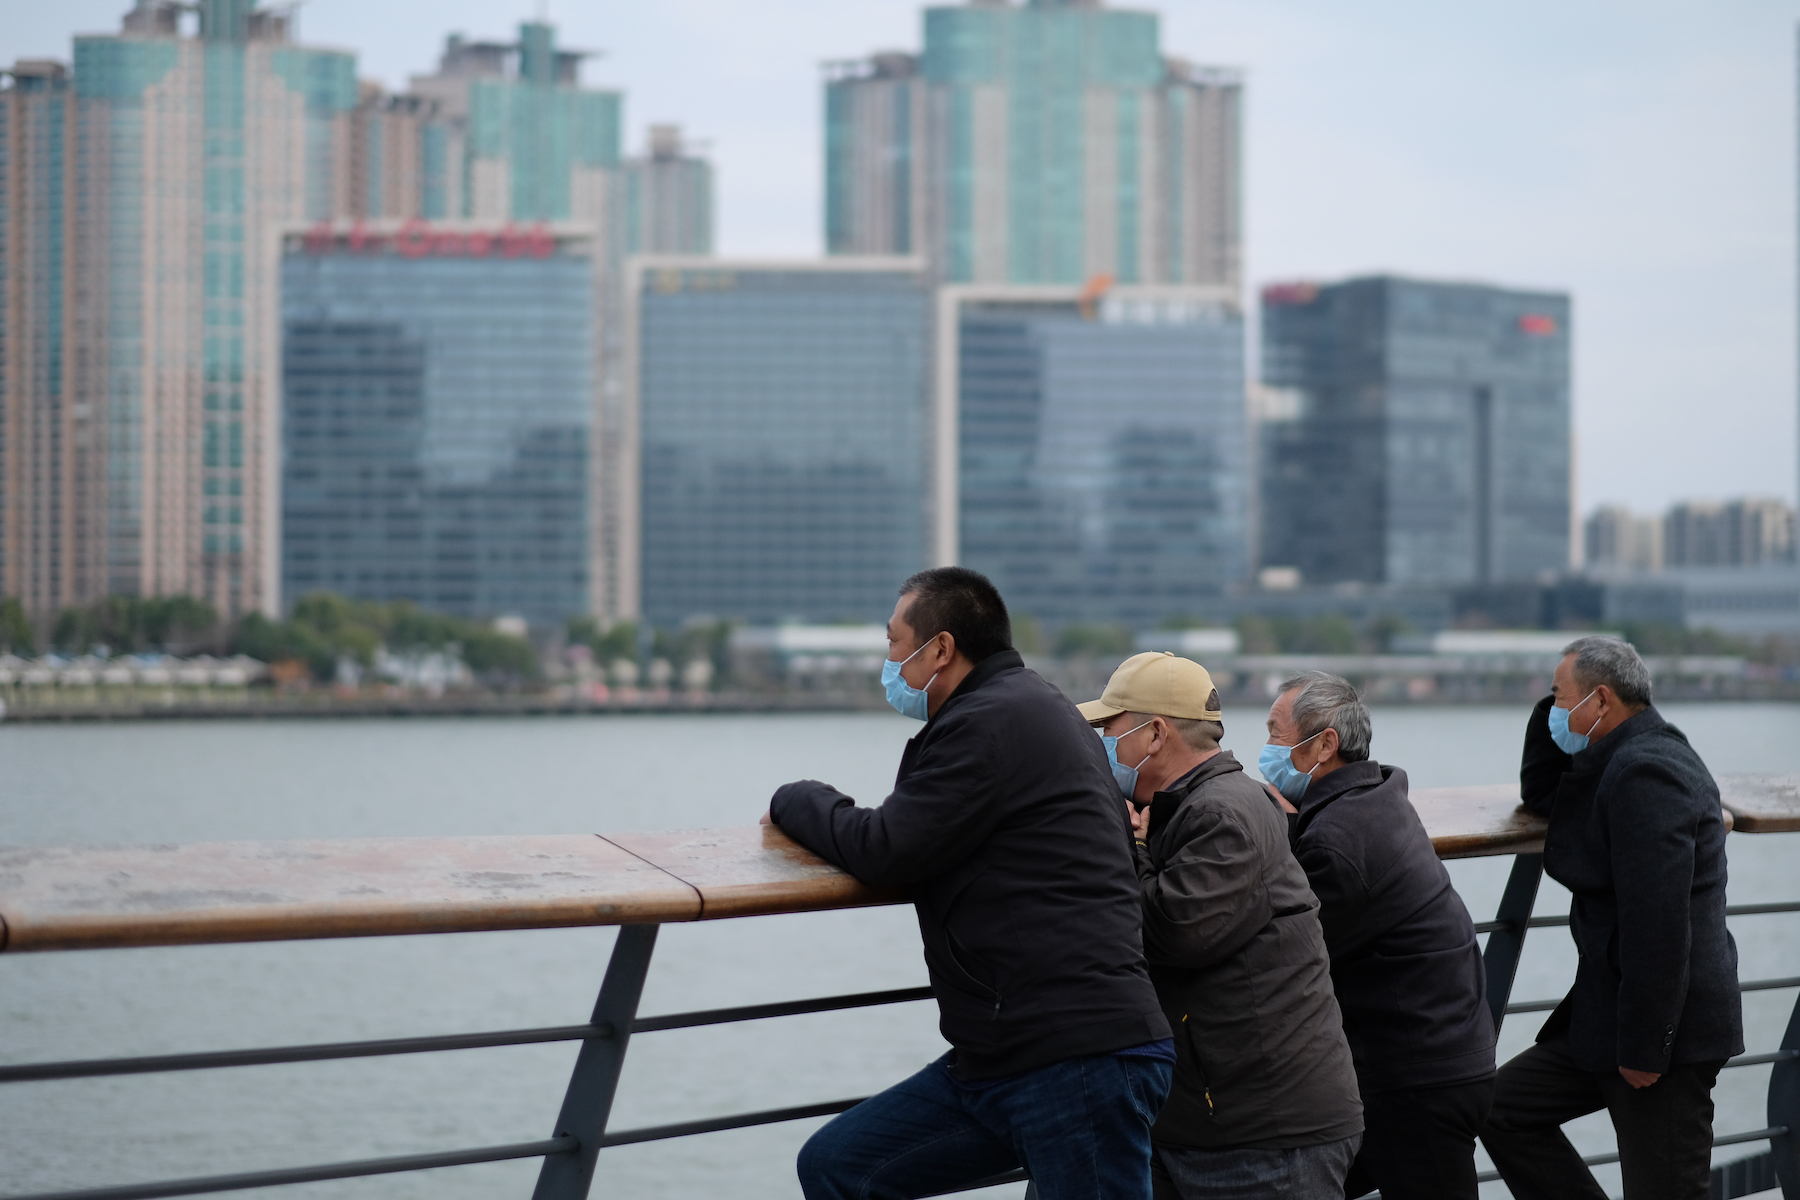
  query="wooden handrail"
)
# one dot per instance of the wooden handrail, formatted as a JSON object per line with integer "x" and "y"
{"x": 89, "y": 897}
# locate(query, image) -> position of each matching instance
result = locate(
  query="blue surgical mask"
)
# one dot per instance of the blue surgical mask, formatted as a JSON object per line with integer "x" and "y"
{"x": 1277, "y": 766}
{"x": 907, "y": 700}
{"x": 1124, "y": 776}
{"x": 1566, "y": 739}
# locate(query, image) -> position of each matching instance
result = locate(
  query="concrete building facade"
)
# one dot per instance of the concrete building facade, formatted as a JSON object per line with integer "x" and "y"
{"x": 1043, "y": 143}
{"x": 668, "y": 197}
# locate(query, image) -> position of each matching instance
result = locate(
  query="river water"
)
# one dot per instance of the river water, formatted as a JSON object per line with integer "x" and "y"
{"x": 325, "y": 779}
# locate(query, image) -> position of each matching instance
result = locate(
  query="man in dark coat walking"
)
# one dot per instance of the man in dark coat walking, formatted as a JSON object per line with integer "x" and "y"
{"x": 1404, "y": 960}
{"x": 1006, "y": 827}
{"x": 1637, "y": 837}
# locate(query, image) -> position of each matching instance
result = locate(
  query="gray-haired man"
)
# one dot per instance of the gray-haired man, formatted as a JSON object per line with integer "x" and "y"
{"x": 1404, "y": 960}
{"x": 1637, "y": 837}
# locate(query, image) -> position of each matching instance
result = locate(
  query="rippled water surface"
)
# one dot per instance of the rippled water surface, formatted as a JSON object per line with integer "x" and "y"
{"x": 224, "y": 780}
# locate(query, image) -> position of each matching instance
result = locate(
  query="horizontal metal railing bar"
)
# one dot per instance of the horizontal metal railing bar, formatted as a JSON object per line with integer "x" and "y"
{"x": 1732, "y": 910}
{"x": 1750, "y": 985}
{"x": 768, "y": 1116}
{"x": 207, "y": 1060}
{"x": 147, "y": 1064}
{"x": 1757, "y": 1060}
{"x": 991, "y": 1181}
{"x": 1601, "y": 1160}
{"x": 204, "y": 1184}
{"x": 786, "y": 1008}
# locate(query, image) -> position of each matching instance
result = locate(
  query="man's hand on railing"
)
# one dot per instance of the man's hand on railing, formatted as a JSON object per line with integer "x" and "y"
{"x": 764, "y": 819}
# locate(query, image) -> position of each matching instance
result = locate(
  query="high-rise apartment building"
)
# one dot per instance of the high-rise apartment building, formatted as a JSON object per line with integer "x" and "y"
{"x": 187, "y": 153}
{"x": 1429, "y": 441}
{"x": 1733, "y": 533}
{"x": 49, "y": 468}
{"x": 438, "y": 415}
{"x": 1043, "y": 143}
{"x": 528, "y": 141}
{"x": 779, "y": 414}
{"x": 1103, "y": 465}
{"x": 668, "y": 197}
{"x": 1617, "y": 537}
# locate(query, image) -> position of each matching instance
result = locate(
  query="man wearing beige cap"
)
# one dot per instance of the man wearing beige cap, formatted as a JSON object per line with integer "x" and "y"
{"x": 1264, "y": 1099}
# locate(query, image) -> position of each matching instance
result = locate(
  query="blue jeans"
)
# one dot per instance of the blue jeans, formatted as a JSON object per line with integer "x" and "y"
{"x": 1080, "y": 1127}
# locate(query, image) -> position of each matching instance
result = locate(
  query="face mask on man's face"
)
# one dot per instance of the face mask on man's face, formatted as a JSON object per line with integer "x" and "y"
{"x": 907, "y": 700}
{"x": 1126, "y": 777}
{"x": 1566, "y": 739}
{"x": 1277, "y": 766}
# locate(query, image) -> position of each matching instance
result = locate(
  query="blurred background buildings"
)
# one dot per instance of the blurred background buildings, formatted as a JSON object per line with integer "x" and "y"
{"x": 268, "y": 330}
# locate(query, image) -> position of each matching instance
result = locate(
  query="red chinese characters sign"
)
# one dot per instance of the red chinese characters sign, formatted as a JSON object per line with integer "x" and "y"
{"x": 419, "y": 238}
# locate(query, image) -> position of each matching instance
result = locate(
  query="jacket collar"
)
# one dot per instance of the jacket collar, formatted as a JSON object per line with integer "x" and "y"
{"x": 1164, "y": 803}
{"x": 1327, "y": 788}
{"x": 1599, "y": 753}
{"x": 985, "y": 670}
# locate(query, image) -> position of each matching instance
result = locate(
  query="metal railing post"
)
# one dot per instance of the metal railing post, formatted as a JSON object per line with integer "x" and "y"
{"x": 588, "y": 1102}
{"x": 1505, "y": 944}
{"x": 1784, "y": 1111}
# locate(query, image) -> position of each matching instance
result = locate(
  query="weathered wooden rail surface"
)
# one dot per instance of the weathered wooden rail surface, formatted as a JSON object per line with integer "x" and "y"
{"x": 89, "y": 897}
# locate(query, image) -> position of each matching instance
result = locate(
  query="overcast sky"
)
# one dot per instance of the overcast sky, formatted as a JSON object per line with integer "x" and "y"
{"x": 1640, "y": 155}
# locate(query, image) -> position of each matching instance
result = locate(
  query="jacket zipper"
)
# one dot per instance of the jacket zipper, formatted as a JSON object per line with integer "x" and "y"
{"x": 1205, "y": 1086}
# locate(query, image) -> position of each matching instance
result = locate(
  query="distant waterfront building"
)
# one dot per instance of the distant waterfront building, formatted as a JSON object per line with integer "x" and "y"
{"x": 1734, "y": 533}
{"x": 668, "y": 197}
{"x": 1618, "y": 537}
{"x": 438, "y": 413}
{"x": 1043, "y": 143}
{"x": 51, "y": 467}
{"x": 778, "y": 425}
{"x": 1103, "y": 471}
{"x": 1429, "y": 441}
{"x": 140, "y": 241}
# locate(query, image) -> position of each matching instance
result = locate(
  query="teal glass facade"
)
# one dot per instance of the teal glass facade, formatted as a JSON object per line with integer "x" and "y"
{"x": 1049, "y": 142}
{"x": 1103, "y": 457}
{"x": 783, "y": 417}
{"x": 437, "y": 415}
{"x": 1426, "y": 437}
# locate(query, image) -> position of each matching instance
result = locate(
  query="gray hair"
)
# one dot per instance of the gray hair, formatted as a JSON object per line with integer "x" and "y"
{"x": 1199, "y": 735}
{"x": 1604, "y": 660}
{"x": 1327, "y": 701}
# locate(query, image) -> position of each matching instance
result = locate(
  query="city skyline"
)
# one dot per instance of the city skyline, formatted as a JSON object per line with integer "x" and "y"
{"x": 1559, "y": 177}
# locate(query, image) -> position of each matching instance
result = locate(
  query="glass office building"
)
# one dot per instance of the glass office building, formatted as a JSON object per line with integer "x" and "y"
{"x": 438, "y": 398}
{"x": 782, "y": 417}
{"x": 1423, "y": 433}
{"x": 1103, "y": 465}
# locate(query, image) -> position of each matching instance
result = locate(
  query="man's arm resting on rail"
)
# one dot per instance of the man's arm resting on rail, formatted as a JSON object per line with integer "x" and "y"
{"x": 1208, "y": 899}
{"x": 931, "y": 822}
{"x": 1542, "y": 765}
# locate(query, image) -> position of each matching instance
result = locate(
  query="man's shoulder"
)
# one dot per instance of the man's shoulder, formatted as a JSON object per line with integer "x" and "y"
{"x": 1662, "y": 749}
{"x": 1233, "y": 795}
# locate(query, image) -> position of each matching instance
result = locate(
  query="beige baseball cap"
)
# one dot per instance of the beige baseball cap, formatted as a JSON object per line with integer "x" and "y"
{"x": 1157, "y": 684}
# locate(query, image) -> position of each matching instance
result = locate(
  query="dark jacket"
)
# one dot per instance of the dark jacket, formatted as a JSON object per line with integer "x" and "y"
{"x": 1007, "y": 827}
{"x": 1637, "y": 837}
{"x": 1232, "y": 935}
{"x": 1404, "y": 961}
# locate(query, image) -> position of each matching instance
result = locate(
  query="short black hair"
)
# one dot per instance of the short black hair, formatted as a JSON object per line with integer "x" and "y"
{"x": 963, "y": 603}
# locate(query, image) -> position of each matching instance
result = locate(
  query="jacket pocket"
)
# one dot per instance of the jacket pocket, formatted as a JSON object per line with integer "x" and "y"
{"x": 957, "y": 953}
{"x": 1193, "y": 1045}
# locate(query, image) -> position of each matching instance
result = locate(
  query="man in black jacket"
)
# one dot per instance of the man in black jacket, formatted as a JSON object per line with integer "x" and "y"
{"x": 1006, "y": 826}
{"x": 1404, "y": 960}
{"x": 1264, "y": 1097}
{"x": 1637, "y": 837}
